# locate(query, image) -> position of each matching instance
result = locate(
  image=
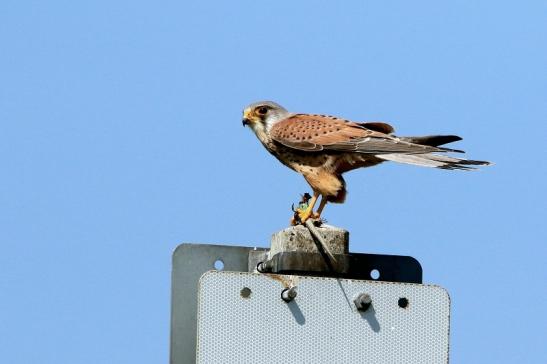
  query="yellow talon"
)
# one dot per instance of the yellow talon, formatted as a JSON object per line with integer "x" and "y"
{"x": 303, "y": 214}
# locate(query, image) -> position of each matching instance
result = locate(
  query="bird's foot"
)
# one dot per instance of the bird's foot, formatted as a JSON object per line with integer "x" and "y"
{"x": 301, "y": 216}
{"x": 304, "y": 211}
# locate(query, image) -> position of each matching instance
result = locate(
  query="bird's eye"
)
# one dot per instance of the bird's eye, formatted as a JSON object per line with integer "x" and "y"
{"x": 262, "y": 110}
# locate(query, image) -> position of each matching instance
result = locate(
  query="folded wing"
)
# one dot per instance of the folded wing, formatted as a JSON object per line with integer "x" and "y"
{"x": 322, "y": 133}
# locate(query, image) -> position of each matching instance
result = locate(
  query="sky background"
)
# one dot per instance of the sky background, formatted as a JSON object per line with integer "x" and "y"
{"x": 121, "y": 137}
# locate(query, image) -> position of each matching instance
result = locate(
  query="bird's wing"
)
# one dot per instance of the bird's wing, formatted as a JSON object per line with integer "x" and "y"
{"x": 379, "y": 127}
{"x": 318, "y": 132}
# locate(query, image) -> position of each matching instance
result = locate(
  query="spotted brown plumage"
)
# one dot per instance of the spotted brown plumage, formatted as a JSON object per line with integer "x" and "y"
{"x": 319, "y": 132}
{"x": 322, "y": 148}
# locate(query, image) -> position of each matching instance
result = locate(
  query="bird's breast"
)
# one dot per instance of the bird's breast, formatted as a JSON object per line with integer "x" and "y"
{"x": 299, "y": 161}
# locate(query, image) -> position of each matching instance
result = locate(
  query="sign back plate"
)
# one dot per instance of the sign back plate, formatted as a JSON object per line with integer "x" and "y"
{"x": 242, "y": 319}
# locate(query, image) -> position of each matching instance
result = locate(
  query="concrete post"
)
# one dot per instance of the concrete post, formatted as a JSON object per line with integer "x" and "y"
{"x": 298, "y": 238}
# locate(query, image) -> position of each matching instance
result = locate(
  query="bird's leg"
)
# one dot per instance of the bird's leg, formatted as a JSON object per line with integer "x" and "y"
{"x": 307, "y": 213}
{"x": 322, "y": 205}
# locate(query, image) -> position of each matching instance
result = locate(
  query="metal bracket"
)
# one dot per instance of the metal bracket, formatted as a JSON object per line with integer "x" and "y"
{"x": 390, "y": 268}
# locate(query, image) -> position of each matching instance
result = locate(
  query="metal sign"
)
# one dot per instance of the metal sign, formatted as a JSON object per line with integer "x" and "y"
{"x": 242, "y": 318}
{"x": 190, "y": 261}
{"x": 231, "y": 316}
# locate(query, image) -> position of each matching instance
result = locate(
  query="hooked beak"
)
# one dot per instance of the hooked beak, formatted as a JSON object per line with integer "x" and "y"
{"x": 246, "y": 121}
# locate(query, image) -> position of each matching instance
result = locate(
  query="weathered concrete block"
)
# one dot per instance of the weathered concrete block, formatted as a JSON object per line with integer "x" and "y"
{"x": 298, "y": 238}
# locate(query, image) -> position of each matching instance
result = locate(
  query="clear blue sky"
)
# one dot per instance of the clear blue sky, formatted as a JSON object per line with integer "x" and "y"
{"x": 121, "y": 137}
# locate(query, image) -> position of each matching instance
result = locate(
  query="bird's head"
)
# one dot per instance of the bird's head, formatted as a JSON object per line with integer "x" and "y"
{"x": 260, "y": 116}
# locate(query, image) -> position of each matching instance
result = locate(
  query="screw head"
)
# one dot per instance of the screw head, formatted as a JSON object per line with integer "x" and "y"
{"x": 288, "y": 294}
{"x": 362, "y": 302}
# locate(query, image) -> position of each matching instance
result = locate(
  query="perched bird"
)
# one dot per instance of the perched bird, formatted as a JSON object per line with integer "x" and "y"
{"x": 322, "y": 148}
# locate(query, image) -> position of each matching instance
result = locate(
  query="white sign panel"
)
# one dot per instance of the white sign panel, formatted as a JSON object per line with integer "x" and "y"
{"x": 243, "y": 319}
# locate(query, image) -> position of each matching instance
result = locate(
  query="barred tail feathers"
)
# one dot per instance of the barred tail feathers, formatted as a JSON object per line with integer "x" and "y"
{"x": 433, "y": 161}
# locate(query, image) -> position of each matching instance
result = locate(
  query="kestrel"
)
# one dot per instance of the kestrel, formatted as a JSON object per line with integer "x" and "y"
{"x": 322, "y": 148}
